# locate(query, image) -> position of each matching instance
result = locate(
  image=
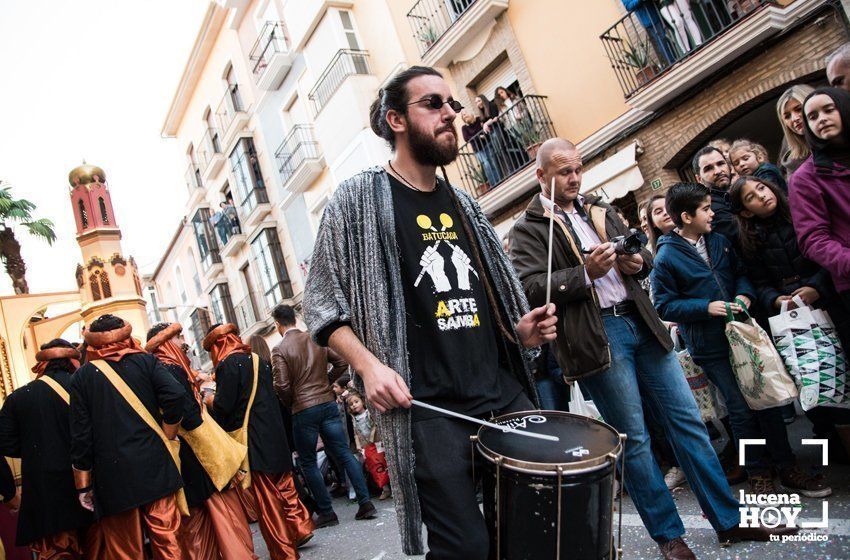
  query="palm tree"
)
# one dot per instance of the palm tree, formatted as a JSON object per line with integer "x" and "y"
{"x": 19, "y": 212}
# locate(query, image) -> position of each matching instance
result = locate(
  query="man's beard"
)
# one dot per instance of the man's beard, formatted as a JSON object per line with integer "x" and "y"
{"x": 428, "y": 151}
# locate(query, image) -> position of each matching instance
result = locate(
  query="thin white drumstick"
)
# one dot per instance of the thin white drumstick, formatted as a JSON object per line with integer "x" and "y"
{"x": 505, "y": 429}
{"x": 551, "y": 230}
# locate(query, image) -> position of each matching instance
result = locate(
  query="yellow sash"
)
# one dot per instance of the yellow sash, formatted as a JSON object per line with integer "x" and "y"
{"x": 241, "y": 434}
{"x": 172, "y": 445}
{"x": 219, "y": 454}
{"x": 60, "y": 390}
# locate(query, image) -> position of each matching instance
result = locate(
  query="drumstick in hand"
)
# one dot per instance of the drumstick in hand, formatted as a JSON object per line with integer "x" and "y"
{"x": 551, "y": 230}
{"x": 505, "y": 429}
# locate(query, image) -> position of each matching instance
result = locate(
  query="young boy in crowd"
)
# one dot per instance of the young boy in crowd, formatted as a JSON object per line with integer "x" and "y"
{"x": 696, "y": 280}
{"x": 368, "y": 442}
{"x": 749, "y": 158}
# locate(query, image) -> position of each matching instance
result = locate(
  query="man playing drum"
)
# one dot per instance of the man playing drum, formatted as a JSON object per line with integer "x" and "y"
{"x": 611, "y": 338}
{"x": 410, "y": 285}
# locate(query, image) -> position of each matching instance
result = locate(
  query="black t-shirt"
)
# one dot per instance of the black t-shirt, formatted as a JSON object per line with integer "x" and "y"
{"x": 451, "y": 336}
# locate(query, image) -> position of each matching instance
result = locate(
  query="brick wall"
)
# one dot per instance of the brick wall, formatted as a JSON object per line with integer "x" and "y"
{"x": 501, "y": 43}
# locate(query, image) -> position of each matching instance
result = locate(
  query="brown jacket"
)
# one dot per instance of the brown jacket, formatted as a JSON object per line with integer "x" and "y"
{"x": 301, "y": 377}
{"x": 581, "y": 347}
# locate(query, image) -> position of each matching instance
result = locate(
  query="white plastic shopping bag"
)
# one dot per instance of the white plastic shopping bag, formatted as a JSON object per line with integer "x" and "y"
{"x": 580, "y": 406}
{"x": 807, "y": 342}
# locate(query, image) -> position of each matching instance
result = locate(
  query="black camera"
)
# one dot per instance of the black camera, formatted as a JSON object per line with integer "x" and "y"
{"x": 626, "y": 245}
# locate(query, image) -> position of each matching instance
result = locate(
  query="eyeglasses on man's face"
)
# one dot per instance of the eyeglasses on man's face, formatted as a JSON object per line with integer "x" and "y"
{"x": 436, "y": 103}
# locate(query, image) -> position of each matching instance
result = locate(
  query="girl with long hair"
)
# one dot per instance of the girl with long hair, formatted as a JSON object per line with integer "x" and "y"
{"x": 657, "y": 220}
{"x": 819, "y": 191}
{"x": 789, "y": 111}
{"x": 778, "y": 270}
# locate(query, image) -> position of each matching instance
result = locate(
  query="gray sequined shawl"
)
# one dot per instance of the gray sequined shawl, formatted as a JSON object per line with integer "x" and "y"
{"x": 355, "y": 278}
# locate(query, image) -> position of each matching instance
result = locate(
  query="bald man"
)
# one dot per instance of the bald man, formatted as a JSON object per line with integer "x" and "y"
{"x": 838, "y": 67}
{"x": 611, "y": 338}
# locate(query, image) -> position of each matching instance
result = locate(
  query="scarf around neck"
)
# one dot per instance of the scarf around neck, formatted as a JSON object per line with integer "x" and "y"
{"x": 112, "y": 345}
{"x": 223, "y": 341}
{"x": 44, "y": 357}
{"x": 167, "y": 351}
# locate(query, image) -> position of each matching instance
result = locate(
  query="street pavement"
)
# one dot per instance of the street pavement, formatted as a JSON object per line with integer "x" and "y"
{"x": 377, "y": 539}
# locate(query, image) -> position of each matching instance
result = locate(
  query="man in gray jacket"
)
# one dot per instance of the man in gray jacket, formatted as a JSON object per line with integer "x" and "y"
{"x": 303, "y": 383}
{"x": 409, "y": 284}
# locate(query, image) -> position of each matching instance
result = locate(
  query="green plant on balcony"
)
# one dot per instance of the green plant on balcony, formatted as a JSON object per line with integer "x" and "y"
{"x": 531, "y": 135}
{"x": 637, "y": 56}
{"x": 428, "y": 35}
{"x": 476, "y": 175}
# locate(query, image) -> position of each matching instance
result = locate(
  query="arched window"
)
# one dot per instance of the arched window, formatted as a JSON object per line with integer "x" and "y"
{"x": 94, "y": 284}
{"x": 104, "y": 215}
{"x": 84, "y": 217}
{"x": 104, "y": 285}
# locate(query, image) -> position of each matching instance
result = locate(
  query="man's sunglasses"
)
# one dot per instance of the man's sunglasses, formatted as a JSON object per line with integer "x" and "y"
{"x": 436, "y": 103}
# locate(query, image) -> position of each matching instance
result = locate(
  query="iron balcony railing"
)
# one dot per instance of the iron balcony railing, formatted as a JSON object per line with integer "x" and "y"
{"x": 647, "y": 41}
{"x": 345, "y": 63}
{"x": 491, "y": 157}
{"x": 226, "y": 224}
{"x": 193, "y": 177}
{"x": 210, "y": 146}
{"x": 231, "y": 103}
{"x": 298, "y": 146}
{"x": 272, "y": 40}
{"x": 430, "y": 19}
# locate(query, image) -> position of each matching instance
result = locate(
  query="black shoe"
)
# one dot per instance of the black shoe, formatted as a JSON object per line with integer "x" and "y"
{"x": 325, "y": 520}
{"x": 366, "y": 511}
{"x": 758, "y": 534}
{"x": 304, "y": 540}
{"x": 735, "y": 475}
{"x": 795, "y": 480}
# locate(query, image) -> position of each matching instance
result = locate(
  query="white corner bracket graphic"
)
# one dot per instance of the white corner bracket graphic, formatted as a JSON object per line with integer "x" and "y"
{"x": 824, "y": 443}
{"x": 742, "y": 447}
{"x": 824, "y": 521}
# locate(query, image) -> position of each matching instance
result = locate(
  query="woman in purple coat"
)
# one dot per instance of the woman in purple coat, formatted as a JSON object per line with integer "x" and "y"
{"x": 819, "y": 191}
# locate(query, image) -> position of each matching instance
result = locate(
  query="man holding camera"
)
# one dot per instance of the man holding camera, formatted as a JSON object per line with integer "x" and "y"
{"x": 610, "y": 337}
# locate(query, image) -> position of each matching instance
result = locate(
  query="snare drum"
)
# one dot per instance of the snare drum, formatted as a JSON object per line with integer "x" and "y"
{"x": 552, "y": 499}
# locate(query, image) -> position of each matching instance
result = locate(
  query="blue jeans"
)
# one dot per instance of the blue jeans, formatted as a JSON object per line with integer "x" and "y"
{"x": 638, "y": 361}
{"x": 747, "y": 423}
{"x": 553, "y": 392}
{"x": 324, "y": 420}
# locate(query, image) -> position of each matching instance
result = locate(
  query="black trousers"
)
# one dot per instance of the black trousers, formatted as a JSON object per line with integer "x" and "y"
{"x": 444, "y": 460}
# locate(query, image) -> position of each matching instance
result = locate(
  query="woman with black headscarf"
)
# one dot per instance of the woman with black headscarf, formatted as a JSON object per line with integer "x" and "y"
{"x": 819, "y": 191}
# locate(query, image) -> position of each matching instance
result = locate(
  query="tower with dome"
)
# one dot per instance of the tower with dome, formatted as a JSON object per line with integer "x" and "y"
{"x": 107, "y": 281}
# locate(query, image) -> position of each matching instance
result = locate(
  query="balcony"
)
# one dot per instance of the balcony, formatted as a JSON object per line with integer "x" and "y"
{"x": 231, "y": 116}
{"x": 496, "y": 167}
{"x": 656, "y": 62}
{"x": 210, "y": 157}
{"x": 234, "y": 243}
{"x": 194, "y": 184}
{"x": 230, "y": 236}
{"x": 444, "y": 28}
{"x": 345, "y": 63}
{"x": 299, "y": 159}
{"x": 270, "y": 56}
{"x": 252, "y": 315}
{"x": 193, "y": 178}
{"x": 207, "y": 244}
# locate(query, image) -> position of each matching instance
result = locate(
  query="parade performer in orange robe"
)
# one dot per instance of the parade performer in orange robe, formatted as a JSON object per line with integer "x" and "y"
{"x": 244, "y": 386}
